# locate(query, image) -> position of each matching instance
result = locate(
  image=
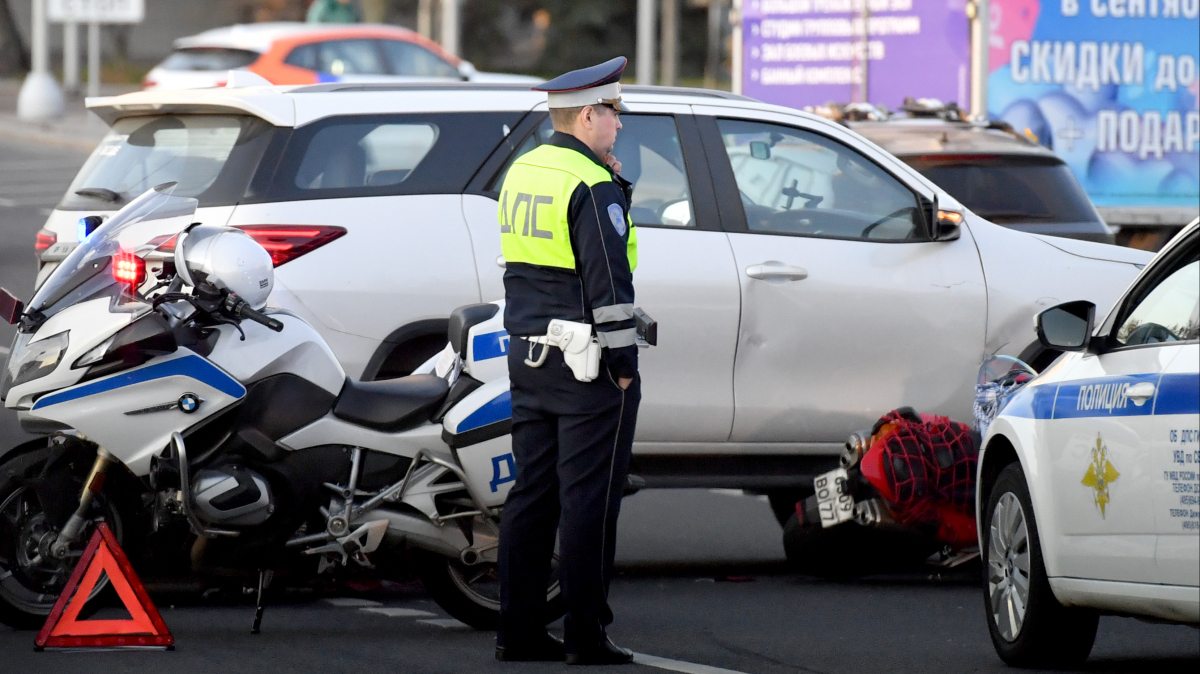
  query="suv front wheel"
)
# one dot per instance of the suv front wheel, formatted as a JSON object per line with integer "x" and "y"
{"x": 1029, "y": 628}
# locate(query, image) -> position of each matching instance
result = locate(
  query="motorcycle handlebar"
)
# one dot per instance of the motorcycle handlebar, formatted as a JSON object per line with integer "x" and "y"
{"x": 244, "y": 311}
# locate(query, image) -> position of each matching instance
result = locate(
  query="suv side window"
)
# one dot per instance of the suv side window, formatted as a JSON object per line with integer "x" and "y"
{"x": 797, "y": 182}
{"x": 651, "y": 157}
{"x": 1168, "y": 311}
{"x": 339, "y": 57}
{"x": 406, "y": 58}
{"x": 377, "y": 155}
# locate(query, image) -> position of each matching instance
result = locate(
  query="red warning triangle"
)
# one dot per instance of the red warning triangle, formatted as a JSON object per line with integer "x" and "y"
{"x": 145, "y": 627}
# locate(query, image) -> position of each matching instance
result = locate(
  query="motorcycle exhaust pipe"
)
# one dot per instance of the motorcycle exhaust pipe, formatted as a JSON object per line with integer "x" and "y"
{"x": 420, "y": 533}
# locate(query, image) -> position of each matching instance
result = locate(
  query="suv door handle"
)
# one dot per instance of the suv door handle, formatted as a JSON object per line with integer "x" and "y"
{"x": 776, "y": 270}
{"x": 1140, "y": 393}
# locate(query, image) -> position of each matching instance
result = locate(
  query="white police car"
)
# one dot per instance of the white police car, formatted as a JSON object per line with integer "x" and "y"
{"x": 1088, "y": 485}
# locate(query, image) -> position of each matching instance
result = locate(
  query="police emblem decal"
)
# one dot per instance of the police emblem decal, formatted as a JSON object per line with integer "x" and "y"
{"x": 189, "y": 402}
{"x": 1100, "y": 474}
{"x": 617, "y": 215}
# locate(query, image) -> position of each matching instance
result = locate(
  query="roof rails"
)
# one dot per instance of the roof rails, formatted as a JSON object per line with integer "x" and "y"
{"x": 332, "y": 87}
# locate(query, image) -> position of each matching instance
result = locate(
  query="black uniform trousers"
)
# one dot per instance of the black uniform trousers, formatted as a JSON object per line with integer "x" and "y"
{"x": 572, "y": 442}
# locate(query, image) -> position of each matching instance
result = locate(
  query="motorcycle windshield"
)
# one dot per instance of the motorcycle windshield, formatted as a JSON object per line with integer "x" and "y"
{"x": 144, "y": 224}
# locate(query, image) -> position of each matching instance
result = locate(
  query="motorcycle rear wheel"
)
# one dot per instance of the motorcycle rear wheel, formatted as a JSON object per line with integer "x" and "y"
{"x": 471, "y": 594}
{"x": 31, "y": 580}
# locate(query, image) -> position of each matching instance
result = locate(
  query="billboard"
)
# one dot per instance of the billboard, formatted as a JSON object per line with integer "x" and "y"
{"x": 1110, "y": 86}
{"x": 808, "y": 52}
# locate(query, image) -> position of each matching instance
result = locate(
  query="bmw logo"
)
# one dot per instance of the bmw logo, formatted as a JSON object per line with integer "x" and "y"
{"x": 189, "y": 402}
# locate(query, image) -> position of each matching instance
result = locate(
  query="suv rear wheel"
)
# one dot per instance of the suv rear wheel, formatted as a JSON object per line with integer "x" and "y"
{"x": 1029, "y": 628}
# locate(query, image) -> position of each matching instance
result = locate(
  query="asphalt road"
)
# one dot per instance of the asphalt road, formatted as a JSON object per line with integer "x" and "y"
{"x": 702, "y": 579}
{"x": 33, "y": 177}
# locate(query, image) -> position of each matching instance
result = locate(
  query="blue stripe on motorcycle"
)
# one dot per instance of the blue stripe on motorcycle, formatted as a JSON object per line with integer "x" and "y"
{"x": 1178, "y": 394}
{"x": 192, "y": 366}
{"x": 491, "y": 345}
{"x": 496, "y": 409}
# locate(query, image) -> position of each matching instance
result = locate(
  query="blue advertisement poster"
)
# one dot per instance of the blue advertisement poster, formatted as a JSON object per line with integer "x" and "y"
{"x": 1110, "y": 86}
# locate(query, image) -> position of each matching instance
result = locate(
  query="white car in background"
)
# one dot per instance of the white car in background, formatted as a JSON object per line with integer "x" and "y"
{"x": 1088, "y": 488}
{"x": 801, "y": 287}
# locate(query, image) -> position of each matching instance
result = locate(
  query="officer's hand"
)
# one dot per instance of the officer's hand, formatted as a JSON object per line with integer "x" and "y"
{"x": 624, "y": 382}
{"x": 616, "y": 167}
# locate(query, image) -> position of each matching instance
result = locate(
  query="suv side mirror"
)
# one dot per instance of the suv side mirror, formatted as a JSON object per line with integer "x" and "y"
{"x": 1067, "y": 327}
{"x": 944, "y": 225}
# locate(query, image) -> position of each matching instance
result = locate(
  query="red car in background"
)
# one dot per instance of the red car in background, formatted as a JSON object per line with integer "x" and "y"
{"x": 300, "y": 53}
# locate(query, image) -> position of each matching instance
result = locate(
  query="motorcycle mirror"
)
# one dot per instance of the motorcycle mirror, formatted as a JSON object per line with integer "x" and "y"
{"x": 11, "y": 308}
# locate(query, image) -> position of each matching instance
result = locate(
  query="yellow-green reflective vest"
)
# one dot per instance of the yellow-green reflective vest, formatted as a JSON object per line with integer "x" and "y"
{"x": 534, "y": 201}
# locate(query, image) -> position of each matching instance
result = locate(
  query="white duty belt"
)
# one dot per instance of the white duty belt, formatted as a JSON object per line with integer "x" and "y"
{"x": 581, "y": 350}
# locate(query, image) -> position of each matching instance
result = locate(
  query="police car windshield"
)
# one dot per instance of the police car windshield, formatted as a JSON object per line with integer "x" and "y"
{"x": 1010, "y": 189}
{"x": 145, "y": 224}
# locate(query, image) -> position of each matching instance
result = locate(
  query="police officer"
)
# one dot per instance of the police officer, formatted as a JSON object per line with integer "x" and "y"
{"x": 570, "y": 250}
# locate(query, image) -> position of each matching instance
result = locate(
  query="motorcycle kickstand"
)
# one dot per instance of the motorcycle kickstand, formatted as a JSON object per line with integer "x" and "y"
{"x": 264, "y": 582}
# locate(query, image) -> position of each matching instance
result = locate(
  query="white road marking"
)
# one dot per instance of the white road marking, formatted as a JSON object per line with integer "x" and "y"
{"x": 398, "y": 612}
{"x": 4, "y": 350}
{"x": 7, "y": 203}
{"x": 446, "y": 623}
{"x": 679, "y": 665}
{"x": 351, "y": 602}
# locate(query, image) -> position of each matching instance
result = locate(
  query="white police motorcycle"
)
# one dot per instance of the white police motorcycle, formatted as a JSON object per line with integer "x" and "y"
{"x": 200, "y": 427}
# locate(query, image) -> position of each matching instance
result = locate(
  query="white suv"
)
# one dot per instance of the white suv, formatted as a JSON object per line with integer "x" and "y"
{"x": 790, "y": 263}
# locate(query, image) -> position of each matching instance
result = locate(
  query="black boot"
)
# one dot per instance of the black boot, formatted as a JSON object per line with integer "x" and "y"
{"x": 538, "y": 648}
{"x": 604, "y": 652}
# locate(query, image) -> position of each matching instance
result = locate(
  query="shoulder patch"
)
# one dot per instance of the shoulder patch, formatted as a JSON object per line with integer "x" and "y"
{"x": 617, "y": 215}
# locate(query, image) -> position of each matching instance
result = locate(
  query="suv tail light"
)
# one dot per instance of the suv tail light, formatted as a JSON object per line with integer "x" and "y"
{"x": 45, "y": 239}
{"x": 288, "y": 242}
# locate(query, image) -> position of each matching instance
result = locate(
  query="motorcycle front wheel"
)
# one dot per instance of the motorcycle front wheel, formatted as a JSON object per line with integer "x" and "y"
{"x": 31, "y": 579}
{"x": 471, "y": 593}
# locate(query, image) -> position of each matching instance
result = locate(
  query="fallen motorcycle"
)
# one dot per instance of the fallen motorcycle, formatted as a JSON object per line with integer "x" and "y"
{"x": 910, "y": 480}
{"x": 205, "y": 431}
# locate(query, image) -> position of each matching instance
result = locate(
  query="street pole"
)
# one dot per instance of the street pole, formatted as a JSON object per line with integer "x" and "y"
{"x": 450, "y": 26}
{"x": 978, "y": 12}
{"x": 864, "y": 58}
{"x": 670, "y": 43}
{"x": 40, "y": 97}
{"x": 645, "y": 41}
{"x": 712, "y": 64}
{"x": 93, "y": 88}
{"x": 425, "y": 18}
{"x": 735, "y": 70}
{"x": 71, "y": 57}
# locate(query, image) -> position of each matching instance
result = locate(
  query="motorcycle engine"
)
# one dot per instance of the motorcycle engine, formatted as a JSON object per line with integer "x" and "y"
{"x": 230, "y": 494}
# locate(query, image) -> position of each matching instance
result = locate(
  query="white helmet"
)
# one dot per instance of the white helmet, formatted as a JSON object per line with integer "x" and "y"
{"x": 229, "y": 259}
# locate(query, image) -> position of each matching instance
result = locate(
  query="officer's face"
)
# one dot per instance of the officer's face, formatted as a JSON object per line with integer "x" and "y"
{"x": 606, "y": 122}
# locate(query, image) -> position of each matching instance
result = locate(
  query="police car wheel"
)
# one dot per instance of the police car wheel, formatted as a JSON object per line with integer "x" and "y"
{"x": 471, "y": 593}
{"x": 1029, "y": 628}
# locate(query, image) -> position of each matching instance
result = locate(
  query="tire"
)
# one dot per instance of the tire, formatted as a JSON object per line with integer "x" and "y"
{"x": 30, "y": 586}
{"x": 783, "y": 501}
{"x": 474, "y": 601}
{"x": 849, "y": 550}
{"x": 1029, "y": 628}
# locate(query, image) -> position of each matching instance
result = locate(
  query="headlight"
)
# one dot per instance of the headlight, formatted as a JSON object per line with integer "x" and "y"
{"x": 30, "y": 361}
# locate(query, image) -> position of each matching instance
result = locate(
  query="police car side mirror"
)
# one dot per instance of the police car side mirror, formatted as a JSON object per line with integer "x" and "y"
{"x": 1066, "y": 327}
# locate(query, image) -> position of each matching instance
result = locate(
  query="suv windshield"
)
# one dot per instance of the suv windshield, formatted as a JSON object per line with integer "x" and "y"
{"x": 210, "y": 157}
{"x": 1010, "y": 189}
{"x": 146, "y": 223}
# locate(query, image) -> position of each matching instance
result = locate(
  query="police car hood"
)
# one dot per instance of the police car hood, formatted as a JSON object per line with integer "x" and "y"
{"x": 1097, "y": 251}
